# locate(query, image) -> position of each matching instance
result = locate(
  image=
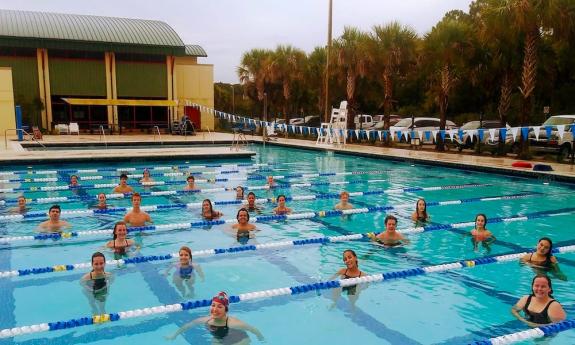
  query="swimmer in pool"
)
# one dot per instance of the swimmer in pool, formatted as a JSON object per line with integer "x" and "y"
{"x": 543, "y": 260}
{"x": 54, "y": 223}
{"x": 74, "y": 181}
{"x": 390, "y": 237}
{"x": 191, "y": 183}
{"x": 102, "y": 202}
{"x": 223, "y": 328}
{"x": 420, "y": 214}
{"x": 137, "y": 217}
{"x": 21, "y": 206}
{"x": 120, "y": 244}
{"x": 480, "y": 234}
{"x": 539, "y": 308}
{"x": 97, "y": 283}
{"x": 351, "y": 270}
{"x": 123, "y": 186}
{"x": 343, "y": 203}
{"x": 282, "y": 209}
{"x": 243, "y": 229}
{"x": 208, "y": 212}
{"x": 239, "y": 193}
{"x": 185, "y": 273}
{"x": 271, "y": 183}
{"x": 251, "y": 206}
{"x": 146, "y": 176}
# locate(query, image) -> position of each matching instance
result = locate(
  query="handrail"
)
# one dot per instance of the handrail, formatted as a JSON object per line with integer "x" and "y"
{"x": 159, "y": 135}
{"x": 23, "y": 131}
{"x": 209, "y": 134}
{"x": 103, "y": 134}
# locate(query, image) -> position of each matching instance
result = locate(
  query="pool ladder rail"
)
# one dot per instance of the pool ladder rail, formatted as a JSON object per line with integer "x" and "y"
{"x": 157, "y": 130}
{"x": 210, "y": 135}
{"x": 103, "y": 135}
{"x": 24, "y": 132}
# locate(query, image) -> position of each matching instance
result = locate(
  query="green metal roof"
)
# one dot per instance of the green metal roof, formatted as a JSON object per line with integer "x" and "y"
{"x": 195, "y": 50}
{"x": 84, "y": 32}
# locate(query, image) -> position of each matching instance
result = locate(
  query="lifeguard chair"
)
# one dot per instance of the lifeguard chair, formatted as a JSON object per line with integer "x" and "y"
{"x": 335, "y": 131}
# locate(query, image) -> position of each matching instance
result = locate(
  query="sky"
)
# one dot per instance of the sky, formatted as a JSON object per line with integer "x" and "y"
{"x": 228, "y": 28}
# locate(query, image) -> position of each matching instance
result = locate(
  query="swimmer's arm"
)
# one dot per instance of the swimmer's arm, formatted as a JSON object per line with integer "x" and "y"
{"x": 198, "y": 269}
{"x": 127, "y": 218}
{"x": 404, "y": 239}
{"x": 188, "y": 326}
{"x": 110, "y": 244}
{"x": 235, "y": 323}
{"x": 414, "y": 216}
{"x": 490, "y": 239}
{"x": 556, "y": 312}
{"x": 517, "y": 308}
{"x": 556, "y": 270}
{"x": 148, "y": 218}
{"x": 337, "y": 274}
{"x": 110, "y": 277}
{"x": 525, "y": 258}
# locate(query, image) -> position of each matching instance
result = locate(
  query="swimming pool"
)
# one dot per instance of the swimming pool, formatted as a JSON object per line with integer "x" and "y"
{"x": 453, "y": 307}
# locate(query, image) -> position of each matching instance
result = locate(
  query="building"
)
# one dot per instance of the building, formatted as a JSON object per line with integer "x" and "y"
{"x": 128, "y": 74}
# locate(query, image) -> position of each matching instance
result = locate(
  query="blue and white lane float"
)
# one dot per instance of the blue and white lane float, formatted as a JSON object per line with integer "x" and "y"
{"x": 257, "y": 219}
{"x": 292, "y": 290}
{"x": 534, "y": 333}
{"x": 142, "y": 168}
{"x": 323, "y": 240}
{"x": 137, "y": 176}
{"x": 212, "y": 180}
{"x": 198, "y": 205}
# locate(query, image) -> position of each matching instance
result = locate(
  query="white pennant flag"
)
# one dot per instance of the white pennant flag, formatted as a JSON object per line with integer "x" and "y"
{"x": 420, "y": 133}
{"x": 451, "y": 134}
{"x": 561, "y": 130}
{"x": 392, "y": 133}
{"x": 536, "y": 130}
{"x": 379, "y": 135}
{"x": 233, "y": 118}
{"x": 434, "y": 134}
{"x": 514, "y": 132}
{"x": 492, "y": 133}
{"x": 357, "y": 133}
{"x": 472, "y": 133}
{"x": 317, "y": 130}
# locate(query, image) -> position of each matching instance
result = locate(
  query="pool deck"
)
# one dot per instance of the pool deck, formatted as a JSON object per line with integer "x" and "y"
{"x": 16, "y": 153}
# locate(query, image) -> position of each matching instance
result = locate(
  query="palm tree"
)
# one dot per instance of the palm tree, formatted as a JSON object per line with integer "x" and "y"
{"x": 393, "y": 49}
{"x": 287, "y": 67}
{"x": 446, "y": 49}
{"x": 352, "y": 62}
{"x": 255, "y": 69}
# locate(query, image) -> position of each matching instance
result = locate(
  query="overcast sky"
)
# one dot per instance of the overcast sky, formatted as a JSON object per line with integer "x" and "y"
{"x": 227, "y": 28}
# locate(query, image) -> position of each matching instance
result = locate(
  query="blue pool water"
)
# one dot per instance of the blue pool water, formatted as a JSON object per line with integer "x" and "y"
{"x": 454, "y": 307}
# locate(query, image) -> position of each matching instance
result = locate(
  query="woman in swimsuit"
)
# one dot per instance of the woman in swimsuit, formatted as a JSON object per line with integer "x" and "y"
{"x": 96, "y": 284}
{"x": 208, "y": 212}
{"x": 239, "y": 193}
{"x": 420, "y": 214}
{"x": 185, "y": 274}
{"x": 120, "y": 244}
{"x": 281, "y": 209}
{"x": 146, "y": 176}
{"x": 350, "y": 271}
{"x": 225, "y": 329}
{"x": 480, "y": 234}
{"x": 542, "y": 259}
{"x": 243, "y": 227}
{"x": 539, "y": 308}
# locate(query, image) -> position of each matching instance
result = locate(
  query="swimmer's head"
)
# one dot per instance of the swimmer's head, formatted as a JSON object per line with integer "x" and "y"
{"x": 102, "y": 197}
{"x": 251, "y": 198}
{"x": 123, "y": 178}
{"x": 480, "y": 220}
{"x": 21, "y": 201}
{"x": 185, "y": 254}
{"x": 239, "y": 192}
{"x": 220, "y": 300}
{"x": 390, "y": 222}
{"x": 207, "y": 206}
{"x": 73, "y": 180}
{"x": 421, "y": 206}
{"x": 190, "y": 179}
{"x": 541, "y": 286}
{"x": 350, "y": 258}
{"x": 120, "y": 227}
{"x": 136, "y": 198}
{"x": 54, "y": 211}
{"x": 344, "y": 196}
{"x": 243, "y": 214}
{"x": 270, "y": 179}
{"x": 98, "y": 261}
{"x": 146, "y": 173}
{"x": 281, "y": 199}
{"x": 545, "y": 247}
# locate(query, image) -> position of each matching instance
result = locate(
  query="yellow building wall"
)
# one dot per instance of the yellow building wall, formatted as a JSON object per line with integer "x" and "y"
{"x": 195, "y": 83}
{"x": 7, "y": 112}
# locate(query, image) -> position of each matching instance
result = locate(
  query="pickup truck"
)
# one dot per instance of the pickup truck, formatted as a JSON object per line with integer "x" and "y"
{"x": 554, "y": 144}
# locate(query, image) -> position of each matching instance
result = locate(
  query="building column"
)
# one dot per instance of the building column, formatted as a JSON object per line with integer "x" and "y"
{"x": 44, "y": 87}
{"x": 170, "y": 65}
{"x": 111, "y": 92}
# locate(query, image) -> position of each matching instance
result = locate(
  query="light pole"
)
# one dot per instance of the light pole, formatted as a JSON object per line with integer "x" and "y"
{"x": 326, "y": 110}
{"x": 233, "y": 100}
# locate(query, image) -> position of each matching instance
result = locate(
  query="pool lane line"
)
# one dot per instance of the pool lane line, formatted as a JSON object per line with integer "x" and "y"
{"x": 256, "y": 219}
{"x": 179, "y": 183}
{"x": 270, "y": 293}
{"x": 198, "y": 205}
{"x": 533, "y": 333}
{"x": 323, "y": 240}
{"x": 141, "y": 168}
{"x": 7, "y": 299}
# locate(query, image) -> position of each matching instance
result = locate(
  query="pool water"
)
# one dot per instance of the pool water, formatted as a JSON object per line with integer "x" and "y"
{"x": 453, "y": 307}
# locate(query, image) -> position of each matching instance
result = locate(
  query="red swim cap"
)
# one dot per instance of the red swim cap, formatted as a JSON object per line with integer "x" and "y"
{"x": 222, "y": 298}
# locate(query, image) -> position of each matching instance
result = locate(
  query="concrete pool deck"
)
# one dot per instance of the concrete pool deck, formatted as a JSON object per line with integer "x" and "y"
{"x": 15, "y": 153}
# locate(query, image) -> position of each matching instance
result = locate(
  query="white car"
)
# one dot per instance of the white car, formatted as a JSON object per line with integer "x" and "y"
{"x": 555, "y": 144}
{"x": 421, "y": 124}
{"x": 379, "y": 121}
{"x": 363, "y": 121}
{"x": 297, "y": 121}
{"x": 466, "y": 142}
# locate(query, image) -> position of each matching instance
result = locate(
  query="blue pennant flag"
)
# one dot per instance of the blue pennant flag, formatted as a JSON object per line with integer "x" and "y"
{"x": 503, "y": 134}
{"x": 548, "y": 130}
{"x": 524, "y": 133}
{"x": 384, "y": 135}
{"x": 427, "y": 135}
{"x": 399, "y": 135}
{"x": 305, "y": 130}
{"x": 350, "y": 133}
{"x": 442, "y": 134}
{"x": 460, "y": 134}
{"x": 480, "y": 134}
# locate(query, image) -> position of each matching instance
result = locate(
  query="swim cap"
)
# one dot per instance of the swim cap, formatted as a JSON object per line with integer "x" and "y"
{"x": 222, "y": 298}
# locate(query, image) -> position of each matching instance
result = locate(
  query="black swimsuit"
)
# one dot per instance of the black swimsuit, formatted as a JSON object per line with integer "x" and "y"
{"x": 544, "y": 264}
{"x": 351, "y": 290}
{"x": 120, "y": 250}
{"x": 540, "y": 318}
{"x": 225, "y": 334}
{"x": 99, "y": 287}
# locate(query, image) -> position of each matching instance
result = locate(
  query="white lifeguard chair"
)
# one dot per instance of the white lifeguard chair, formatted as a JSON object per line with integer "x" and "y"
{"x": 334, "y": 132}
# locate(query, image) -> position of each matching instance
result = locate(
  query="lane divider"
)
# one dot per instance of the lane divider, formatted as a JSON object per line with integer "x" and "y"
{"x": 537, "y": 332}
{"x": 321, "y": 240}
{"x": 212, "y": 180}
{"x": 204, "y": 223}
{"x": 120, "y": 170}
{"x": 255, "y": 295}
{"x": 198, "y": 205}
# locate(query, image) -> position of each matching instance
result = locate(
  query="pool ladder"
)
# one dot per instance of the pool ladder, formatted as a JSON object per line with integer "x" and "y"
{"x": 103, "y": 135}
{"x": 210, "y": 135}
{"x": 24, "y": 132}
{"x": 157, "y": 130}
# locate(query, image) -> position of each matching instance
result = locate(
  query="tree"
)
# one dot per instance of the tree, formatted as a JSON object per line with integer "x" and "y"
{"x": 254, "y": 70}
{"x": 287, "y": 67}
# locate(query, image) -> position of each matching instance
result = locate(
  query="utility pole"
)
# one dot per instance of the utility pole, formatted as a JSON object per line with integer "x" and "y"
{"x": 326, "y": 87}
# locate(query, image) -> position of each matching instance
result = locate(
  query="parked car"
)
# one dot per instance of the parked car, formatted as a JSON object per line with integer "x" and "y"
{"x": 379, "y": 121}
{"x": 421, "y": 124}
{"x": 363, "y": 121}
{"x": 312, "y": 121}
{"x": 296, "y": 121}
{"x": 466, "y": 142}
{"x": 555, "y": 144}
